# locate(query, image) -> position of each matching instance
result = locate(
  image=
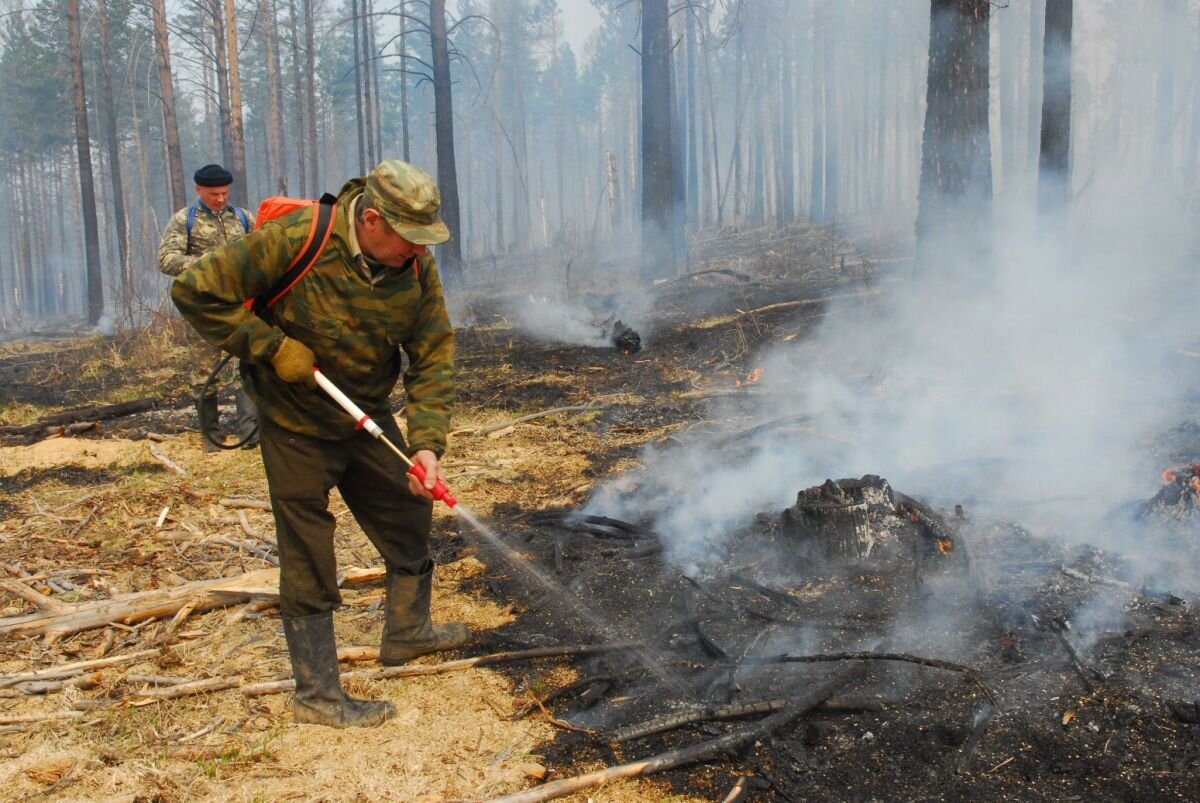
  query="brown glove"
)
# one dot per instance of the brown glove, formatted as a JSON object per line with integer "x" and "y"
{"x": 293, "y": 362}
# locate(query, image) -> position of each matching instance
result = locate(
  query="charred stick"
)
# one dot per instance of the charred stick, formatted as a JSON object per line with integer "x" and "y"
{"x": 561, "y": 691}
{"x": 982, "y": 717}
{"x": 935, "y": 663}
{"x": 766, "y": 591}
{"x": 617, "y": 524}
{"x": 634, "y": 552}
{"x": 815, "y": 695}
{"x": 707, "y": 643}
{"x": 558, "y": 555}
{"x": 707, "y": 713}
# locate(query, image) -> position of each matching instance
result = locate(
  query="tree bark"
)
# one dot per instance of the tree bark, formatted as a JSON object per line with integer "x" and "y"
{"x": 221, "y": 64}
{"x": 276, "y": 147}
{"x": 955, "y": 196}
{"x": 87, "y": 186}
{"x": 298, "y": 104}
{"x": 166, "y": 93}
{"x": 360, "y": 112}
{"x": 240, "y": 192}
{"x": 310, "y": 66}
{"x": 658, "y": 193}
{"x": 114, "y": 157}
{"x": 450, "y": 254}
{"x": 1054, "y": 155}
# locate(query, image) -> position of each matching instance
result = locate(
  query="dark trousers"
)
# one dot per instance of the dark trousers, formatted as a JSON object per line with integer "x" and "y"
{"x": 301, "y": 471}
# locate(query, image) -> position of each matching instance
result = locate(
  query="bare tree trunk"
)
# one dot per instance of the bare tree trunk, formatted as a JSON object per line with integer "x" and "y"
{"x": 955, "y": 197}
{"x": 785, "y": 130}
{"x": 91, "y": 234}
{"x": 276, "y": 155}
{"x": 240, "y": 192}
{"x": 693, "y": 164}
{"x": 217, "y": 11}
{"x": 658, "y": 188}
{"x": 375, "y": 72}
{"x": 816, "y": 189}
{"x": 403, "y": 46}
{"x": 450, "y": 254}
{"x": 359, "y": 110}
{"x": 1037, "y": 13}
{"x": 310, "y": 65}
{"x": 114, "y": 157}
{"x": 166, "y": 92}
{"x": 833, "y": 106}
{"x": 298, "y": 106}
{"x": 1054, "y": 160}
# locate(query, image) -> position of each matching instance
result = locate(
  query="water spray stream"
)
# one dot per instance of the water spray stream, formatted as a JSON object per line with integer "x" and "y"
{"x": 649, "y": 661}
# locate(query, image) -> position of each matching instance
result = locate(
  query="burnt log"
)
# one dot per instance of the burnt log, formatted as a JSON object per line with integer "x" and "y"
{"x": 96, "y": 413}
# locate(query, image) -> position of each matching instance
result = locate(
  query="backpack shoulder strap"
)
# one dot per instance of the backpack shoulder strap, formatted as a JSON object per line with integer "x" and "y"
{"x": 324, "y": 216}
{"x": 191, "y": 221}
{"x": 241, "y": 215}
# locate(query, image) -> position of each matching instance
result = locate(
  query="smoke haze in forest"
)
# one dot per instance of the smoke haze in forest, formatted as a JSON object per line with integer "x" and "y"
{"x": 1035, "y": 388}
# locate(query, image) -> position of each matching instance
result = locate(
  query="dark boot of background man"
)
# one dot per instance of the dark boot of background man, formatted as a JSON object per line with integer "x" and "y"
{"x": 207, "y": 415}
{"x": 407, "y": 630}
{"x": 319, "y": 697}
{"x": 247, "y": 418}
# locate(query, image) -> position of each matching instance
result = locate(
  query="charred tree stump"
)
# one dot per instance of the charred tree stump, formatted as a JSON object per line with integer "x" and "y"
{"x": 833, "y": 521}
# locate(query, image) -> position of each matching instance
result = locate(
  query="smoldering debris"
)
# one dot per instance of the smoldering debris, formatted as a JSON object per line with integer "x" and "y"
{"x": 624, "y": 338}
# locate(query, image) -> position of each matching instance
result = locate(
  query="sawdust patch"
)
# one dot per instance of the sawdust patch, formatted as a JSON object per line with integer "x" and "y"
{"x": 56, "y": 452}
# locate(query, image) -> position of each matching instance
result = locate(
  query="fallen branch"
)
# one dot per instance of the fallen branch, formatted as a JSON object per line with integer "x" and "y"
{"x": 490, "y": 428}
{"x": 814, "y": 696}
{"x": 76, "y": 668}
{"x": 705, "y": 714}
{"x": 159, "y": 603}
{"x": 237, "y": 502}
{"x": 736, "y": 791}
{"x": 88, "y": 681}
{"x": 416, "y": 670}
{"x": 86, "y": 413}
{"x": 203, "y": 686}
{"x": 936, "y": 663}
{"x": 34, "y": 597}
{"x": 53, "y": 716}
{"x": 166, "y": 461}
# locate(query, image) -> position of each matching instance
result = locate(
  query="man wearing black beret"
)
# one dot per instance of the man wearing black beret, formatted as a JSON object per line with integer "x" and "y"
{"x": 192, "y": 232}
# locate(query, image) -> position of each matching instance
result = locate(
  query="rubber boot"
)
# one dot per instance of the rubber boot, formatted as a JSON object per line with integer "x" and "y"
{"x": 319, "y": 697}
{"x": 207, "y": 415}
{"x": 247, "y": 418}
{"x": 407, "y": 630}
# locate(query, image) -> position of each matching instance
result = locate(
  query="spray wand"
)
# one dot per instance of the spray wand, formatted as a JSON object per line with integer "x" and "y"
{"x": 439, "y": 490}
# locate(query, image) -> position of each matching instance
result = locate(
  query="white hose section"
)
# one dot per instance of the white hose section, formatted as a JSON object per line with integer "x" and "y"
{"x": 346, "y": 404}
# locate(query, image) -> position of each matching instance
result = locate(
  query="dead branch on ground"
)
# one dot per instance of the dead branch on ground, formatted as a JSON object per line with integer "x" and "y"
{"x": 814, "y": 696}
{"x": 63, "y": 620}
{"x": 490, "y": 428}
{"x": 416, "y": 670}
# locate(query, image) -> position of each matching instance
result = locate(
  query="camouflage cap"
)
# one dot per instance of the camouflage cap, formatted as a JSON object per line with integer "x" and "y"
{"x": 408, "y": 200}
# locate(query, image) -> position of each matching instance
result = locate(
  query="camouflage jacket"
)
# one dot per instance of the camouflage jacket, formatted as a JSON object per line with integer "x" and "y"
{"x": 209, "y": 230}
{"x": 356, "y": 326}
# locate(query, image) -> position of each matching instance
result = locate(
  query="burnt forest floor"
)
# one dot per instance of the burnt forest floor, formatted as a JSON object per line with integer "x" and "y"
{"x": 1008, "y": 704}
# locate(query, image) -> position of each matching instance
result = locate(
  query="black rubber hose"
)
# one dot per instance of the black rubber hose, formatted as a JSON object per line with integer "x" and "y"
{"x": 208, "y": 383}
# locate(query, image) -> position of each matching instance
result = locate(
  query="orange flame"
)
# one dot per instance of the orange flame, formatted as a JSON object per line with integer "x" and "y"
{"x": 1169, "y": 476}
{"x": 945, "y": 546}
{"x": 750, "y": 379}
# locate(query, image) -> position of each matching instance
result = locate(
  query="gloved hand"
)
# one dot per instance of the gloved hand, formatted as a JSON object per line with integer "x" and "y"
{"x": 293, "y": 362}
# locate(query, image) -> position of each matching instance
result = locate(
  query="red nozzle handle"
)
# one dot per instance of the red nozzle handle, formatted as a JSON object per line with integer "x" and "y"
{"x": 439, "y": 491}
